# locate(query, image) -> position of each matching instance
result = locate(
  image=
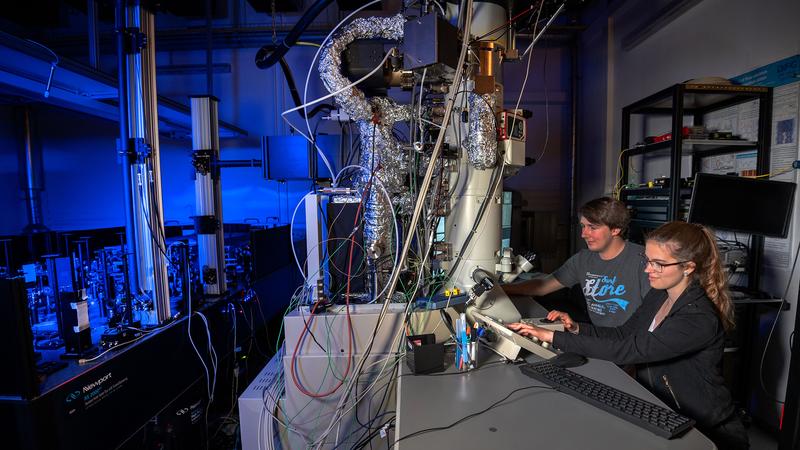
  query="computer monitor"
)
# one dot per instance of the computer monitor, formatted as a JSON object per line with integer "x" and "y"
{"x": 747, "y": 205}
{"x": 294, "y": 158}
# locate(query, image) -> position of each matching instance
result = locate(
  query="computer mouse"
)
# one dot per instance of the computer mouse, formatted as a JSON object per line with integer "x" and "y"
{"x": 568, "y": 359}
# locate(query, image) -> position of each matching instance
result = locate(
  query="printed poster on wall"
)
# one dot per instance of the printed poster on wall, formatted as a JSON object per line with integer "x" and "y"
{"x": 784, "y": 151}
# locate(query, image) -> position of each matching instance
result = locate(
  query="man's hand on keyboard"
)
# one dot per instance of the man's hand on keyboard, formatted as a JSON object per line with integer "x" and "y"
{"x": 569, "y": 324}
{"x": 542, "y": 334}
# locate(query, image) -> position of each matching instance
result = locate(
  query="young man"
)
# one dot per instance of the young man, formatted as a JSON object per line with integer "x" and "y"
{"x": 610, "y": 271}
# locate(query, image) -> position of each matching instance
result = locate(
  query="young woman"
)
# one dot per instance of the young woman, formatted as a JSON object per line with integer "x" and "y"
{"x": 675, "y": 338}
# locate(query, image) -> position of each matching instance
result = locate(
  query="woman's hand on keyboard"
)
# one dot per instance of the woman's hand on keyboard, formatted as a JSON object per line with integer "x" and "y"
{"x": 532, "y": 331}
{"x": 569, "y": 324}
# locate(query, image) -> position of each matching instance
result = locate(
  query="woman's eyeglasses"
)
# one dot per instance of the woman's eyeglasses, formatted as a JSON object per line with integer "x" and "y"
{"x": 657, "y": 266}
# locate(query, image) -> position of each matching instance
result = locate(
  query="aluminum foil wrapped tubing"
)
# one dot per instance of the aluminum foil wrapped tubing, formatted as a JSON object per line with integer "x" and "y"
{"x": 481, "y": 142}
{"x": 381, "y": 154}
{"x": 378, "y": 154}
{"x": 353, "y": 100}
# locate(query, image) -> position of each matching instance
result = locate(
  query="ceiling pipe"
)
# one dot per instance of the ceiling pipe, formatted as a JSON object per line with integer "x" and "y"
{"x": 32, "y": 176}
{"x": 209, "y": 53}
{"x": 268, "y": 56}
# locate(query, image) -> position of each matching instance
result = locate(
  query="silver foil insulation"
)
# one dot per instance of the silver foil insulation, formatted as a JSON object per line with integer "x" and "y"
{"x": 353, "y": 100}
{"x": 481, "y": 142}
{"x": 385, "y": 162}
{"x": 381, "y": 153}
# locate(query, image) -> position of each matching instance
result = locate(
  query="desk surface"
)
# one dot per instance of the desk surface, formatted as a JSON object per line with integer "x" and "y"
{"x": 534, "y": 417}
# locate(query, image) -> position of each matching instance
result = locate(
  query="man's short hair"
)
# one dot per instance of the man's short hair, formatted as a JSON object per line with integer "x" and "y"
{"x": 607, "y": 211}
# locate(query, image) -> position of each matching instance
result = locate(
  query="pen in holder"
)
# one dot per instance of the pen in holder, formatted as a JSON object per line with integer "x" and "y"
{"x": 472, "y": 355}
{"x": 466, "y": 345}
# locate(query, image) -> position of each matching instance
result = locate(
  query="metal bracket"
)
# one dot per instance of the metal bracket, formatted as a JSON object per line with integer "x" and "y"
{"x": 135, "y": 40}
{"x": 202, "y": 161}
{"x": 124, "y": 156}
{"x": 205, "y": 224}
{"x": 137, "y": 149}
{"x": 442, "y": 251}
{"x": 209, "y": 275}
{"x": 141, "y": 148}
{"x": 443, "y": 210}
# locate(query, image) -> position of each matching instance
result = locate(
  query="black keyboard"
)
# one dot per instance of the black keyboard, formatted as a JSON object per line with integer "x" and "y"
{"x": 654, "y": 418}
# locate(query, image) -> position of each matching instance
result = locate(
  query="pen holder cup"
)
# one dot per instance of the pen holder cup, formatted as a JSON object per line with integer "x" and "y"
{"x": 467, "y": 357}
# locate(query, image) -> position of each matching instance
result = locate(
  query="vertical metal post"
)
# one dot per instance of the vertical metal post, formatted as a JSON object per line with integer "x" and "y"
{"x": 32, "y": 175}
{"x": 128, "y": 244}
{"x": 208, "y": 194}
{"x": 186, "y": 278}
{"x": 107, "y": 298}
{"x": 127, "y": 282}
{"x": 209, "y": 55}
{"x": 55, "y": 292}
{"x": 763, "y": 158}
{"x": 313, "y": 245}
{"x": 573, "y": 154}
{"x": 625, "y": 143}
{"x": 677, "y": 153}
{"x": 145, "y": 184}
{"x": 83, "y": 253}
{"x": 790, "y": 429}
{"x": 161, "y": 281}
{"x": 66, "y": 243}
{"x": 94, "y": 35}
{"x": 7, "y": 259}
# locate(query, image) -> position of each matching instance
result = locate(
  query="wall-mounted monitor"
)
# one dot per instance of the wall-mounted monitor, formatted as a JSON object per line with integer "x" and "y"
{"x": 748, "y": 205}
{"x": 294, "y": 158}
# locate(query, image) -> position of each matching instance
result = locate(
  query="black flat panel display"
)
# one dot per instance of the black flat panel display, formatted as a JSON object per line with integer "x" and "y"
{"x": 755, "y": 206}
{"x": 294, "y": 158}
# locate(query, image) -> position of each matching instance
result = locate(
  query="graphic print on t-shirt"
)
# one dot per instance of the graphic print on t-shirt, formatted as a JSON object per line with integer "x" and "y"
{"x": 604, "y": 295}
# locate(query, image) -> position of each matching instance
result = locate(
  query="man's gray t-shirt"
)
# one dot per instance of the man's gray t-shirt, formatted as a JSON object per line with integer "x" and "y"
{"x": 613, "y": 288}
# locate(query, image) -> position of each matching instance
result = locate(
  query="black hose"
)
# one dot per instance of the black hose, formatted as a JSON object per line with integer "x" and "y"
{"x": 287, "y": 73}
{"x": 268, "y": 55}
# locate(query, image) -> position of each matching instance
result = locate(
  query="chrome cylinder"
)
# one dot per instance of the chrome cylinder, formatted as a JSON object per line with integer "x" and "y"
{"x": 473, "y": 188}
{"x": 474, "y": 182}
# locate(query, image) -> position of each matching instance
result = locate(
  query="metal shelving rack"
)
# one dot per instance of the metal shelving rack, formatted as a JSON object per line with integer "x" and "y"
{"x": 695, "y": 100}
